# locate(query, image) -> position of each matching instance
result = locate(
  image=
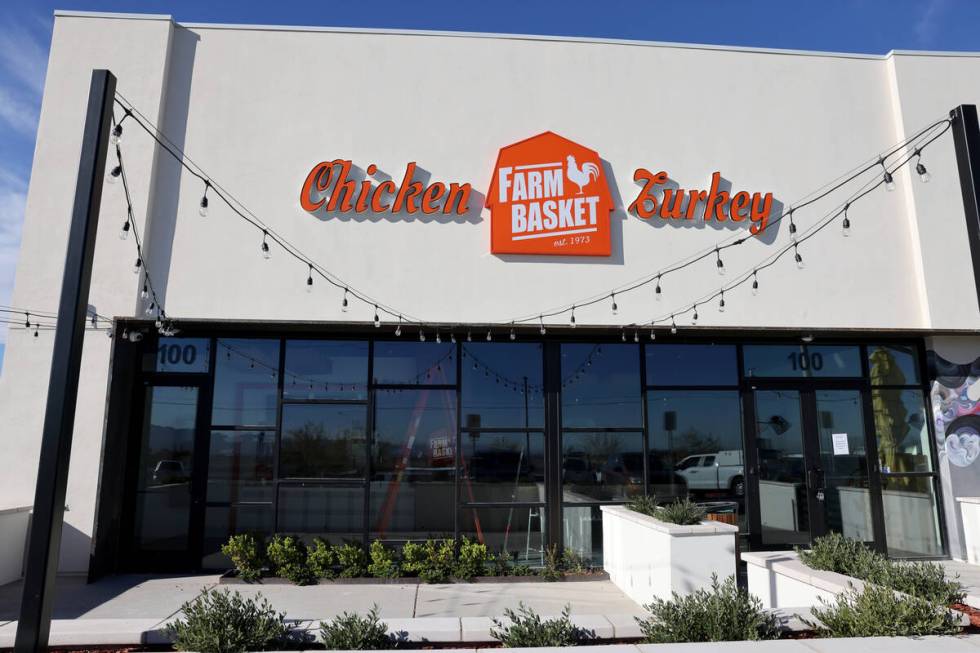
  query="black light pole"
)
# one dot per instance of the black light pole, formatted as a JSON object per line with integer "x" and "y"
{"x": 966, "y": 139}
{"x": 44, "y": 544}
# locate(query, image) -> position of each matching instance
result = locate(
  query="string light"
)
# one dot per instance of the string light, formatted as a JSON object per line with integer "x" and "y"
{"x": 755, "y": 282}
{"x": 622, "y": 333}
{"x": 792, "y": 225}
{"x": 920, "y": 168}
{"x": 117, "y": 132}
{"x": 887, "y": 176}
{"x": 720, "y": 264}
{"x": 266, "y": 252}
{"x": 846, "y": 224}
{"x": 114, "y": 174}
{"x": 513, "y": 334}
{"x": 721, "y": 302}
{"x": 673, "y": 326}
{"x": 656, "y": 291}
{"x": 27, "y": 320}
{"x": 344, "y": 304}
{"x": 377, "y": 318}
{"x": 796, "y": 255}
{"x": 452, "y": 337}
{"x": 489, "y": 335}
{"x": 204, "y": 200}
{"x": 309, "y": 280}
{"x": 137, "y": 265}
{"x": 636, "y": 336}
{"x": 438, "y": 337}
{"x": 421, "y": 335}
{"x": 124, "y": 232}
{"x": 469, "y": 336}
{"x": 694, "y": 318}
{"x": 653, "y": 333}
{"x": 615, "y": 308}
{"x": 572, "y": 320}
{"x": 398, "y": 329}
{"x": 543, "y": 330}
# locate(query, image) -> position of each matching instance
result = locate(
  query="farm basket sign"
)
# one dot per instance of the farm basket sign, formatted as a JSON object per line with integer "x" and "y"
{"x": 547, "y": 196}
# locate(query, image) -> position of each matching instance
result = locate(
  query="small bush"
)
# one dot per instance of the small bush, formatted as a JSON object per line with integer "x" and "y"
{"x": 246, "y": 554}
{"x": 682, "y": 512}
{"x": 644, "y": 504}
{"x": 383, "y": 563}
{"x": 352, "y": 632}
{"x": 221, "y": 622}
{"x": 287, "y": 555}
{"x": 552, "y": 564}
{"x": 504, "y": 565}
{"x": 527, "y": 629}
{"x": 926, "y": 580}
{"x": 723, "y": 614}
{"x": 473, "y": 560}
{"x": 413, "y": 557}
{"x": 572, "y": 562}
{"x": 432, "y": 561}
{"x": 351, "y": 559}
{"x": 320, "y": 559}
{"x": 879, "y": 612}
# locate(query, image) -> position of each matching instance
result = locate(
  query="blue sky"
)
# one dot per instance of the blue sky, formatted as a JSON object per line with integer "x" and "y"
{"x": 869, "y": 26}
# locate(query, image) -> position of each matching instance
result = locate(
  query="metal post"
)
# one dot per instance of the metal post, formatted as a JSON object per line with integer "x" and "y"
{"x": 59, "y": 416}
{"x": 966, "y": 139}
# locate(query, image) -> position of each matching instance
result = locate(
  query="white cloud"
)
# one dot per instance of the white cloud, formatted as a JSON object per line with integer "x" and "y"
{"x": 13, "y": 197}
{"x": 20, "y": 115}
{"x": 927, "y": 27}
{"x": 23, "y": 56}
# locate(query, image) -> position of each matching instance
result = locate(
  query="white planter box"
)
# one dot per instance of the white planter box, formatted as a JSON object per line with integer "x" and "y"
{"x": 647, "y": 558}
{"x": 970, "y": 512}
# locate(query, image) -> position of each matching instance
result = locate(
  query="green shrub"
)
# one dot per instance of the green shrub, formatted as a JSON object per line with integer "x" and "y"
{"x": 504, "y": 565}
{"x": 413, "y": 557}
{"x": 383, "y": 563}
{"x": 644, "y": 504}
{"x": 287, "y": 555}
{"x": 879, "y": 612}
{"x": 221, "y": 622}
{"x": 352, "y": 632}
{"x": 572, "y": 562}
{"x": 351, "y": 559}
{"x": 843, "y": 555}
{"x": 723, "y": 614}
{"x": 473, "y": 560}
{"x": 432, "y": 561}
{"x": 926, "y": 580}
{"x": 246, "y": 554}
{"x": 552, "y": 564}
{"x": 682, "y": 512}
{"x": 320, "y": 559}
{"x": 526, "y": 629}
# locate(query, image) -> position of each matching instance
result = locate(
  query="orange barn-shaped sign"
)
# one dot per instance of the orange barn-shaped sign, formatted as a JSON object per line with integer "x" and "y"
{"x": 549, "y": 195}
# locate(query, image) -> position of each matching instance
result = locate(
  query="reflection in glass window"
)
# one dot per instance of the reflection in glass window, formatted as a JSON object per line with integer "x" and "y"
{"x": 911, "y": 520}
{"x": 413, "y": 464}
{"x": 600, "y": 386}
{"x": 415, "y": 363}
{"x": 691, "y": 365}
{"x": 903, "y": 433}
{"x": 323, "y": 440}
{"x": 893, "y": 365}
{"x": 502, "y": 385}
{"x": 501, "y": 467}
{"x": 240, "y": 466}
{"x": 334, "y": 514}
{"x": 246, "y": 383}
{"x": 187, "y": 355}
{"x": 221, "y": 522}
{"x": 325, "y": 369}
{"x": 582, "y": 528}
{"x": 520, "y": 531}
{"x": 602, "y": 466}
{"x": 799, "y": 361}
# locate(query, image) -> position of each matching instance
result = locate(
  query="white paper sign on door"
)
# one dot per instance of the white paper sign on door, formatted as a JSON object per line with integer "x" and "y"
{"x": 841, "y": 447}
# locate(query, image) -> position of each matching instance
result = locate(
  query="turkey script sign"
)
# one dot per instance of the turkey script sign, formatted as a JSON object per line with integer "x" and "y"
{"x": 549, "y": 195}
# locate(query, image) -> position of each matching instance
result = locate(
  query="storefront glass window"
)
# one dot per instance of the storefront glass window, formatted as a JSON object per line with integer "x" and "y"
{"x": 414, "y": 363}
{"x": 325, "y": 369}
{"x": 582, "y": 532}
{"x": 221, "y": 522}
{"x": 602, "y": 466}
{"x": 600, "y": 386}
{"x": 501, "y": 467}
{"x": 903, "y": 433}
{"x": 181, "y": 355}
{"x": 517, "y": 530}
{"x": 802, "y": 361}
{"x": 323, "y": 441}
{"x": 893, "y": 365}
{"x": 911, "y": 520}
{"x": 246, "y": 385}
{"x": 334, "y": 514}
{"x": 502, "y": 385}
{"x": 240, "y": 466}
{"x": 413, "y": 464}
{"x": 680, "y": 365}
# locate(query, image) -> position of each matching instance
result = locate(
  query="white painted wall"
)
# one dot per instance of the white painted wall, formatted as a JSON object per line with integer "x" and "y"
{"x": 258, "y": 107}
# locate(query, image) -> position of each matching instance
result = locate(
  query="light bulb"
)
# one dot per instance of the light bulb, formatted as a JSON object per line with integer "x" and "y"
{"x": 694, "y": 318}
{"x": 137, "y": 266}
{"x": 124, "y": 232}
{"x": 438, "y": 338}
{"x": 149, "y": 308}
{"x": 636, "y": 336}
{"x": 653, "y": 334}
{"x": 721, "y": 304}
{"x": 204, "y": 207}
{"x": 542, "y": 329}
{"x": 615, "y": 308}
{"x": 343, "y": 304}
{"x": 145, "y": 292}
{"x": 421, "y": 335}
{"x": 622, "y": 334}
{"x": 889, "y": 181}
{"x": 266, "y": 252}
{"x": 114, "y": 174}
{"x": 755, "y": 284}
{"x": 452, "y": 339}
{"x": 117, "y": 132}
{"x": 377, "y": 318}
{"x": 513, "y": 334}
{"x": 309, "y": 283}
{"x": 398, "y": 329}
{"x": 720, "y": 264}
{"x": 799, "y": 259}
{"x": 657, "y": 293}
{"x": 572, "y": 320}
{"x": 673, "y": 326}
{"x": 846, "y": 226}
{"x": 924, "y": 175}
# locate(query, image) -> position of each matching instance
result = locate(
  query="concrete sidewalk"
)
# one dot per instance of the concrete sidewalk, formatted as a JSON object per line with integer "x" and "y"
{"x": 132, "y": 609}
{"x": 969, "y": 576}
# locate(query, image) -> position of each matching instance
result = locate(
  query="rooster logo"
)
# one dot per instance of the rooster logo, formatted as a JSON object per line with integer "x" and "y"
{"x": 581, "y": 178}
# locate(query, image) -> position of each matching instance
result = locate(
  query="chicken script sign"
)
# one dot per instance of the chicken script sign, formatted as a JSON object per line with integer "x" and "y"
{"x": 549, "y": 195}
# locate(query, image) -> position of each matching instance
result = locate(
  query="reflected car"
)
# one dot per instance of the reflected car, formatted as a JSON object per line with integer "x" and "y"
{"x": 169, "y": 471}
{"x": 721, "y": 470}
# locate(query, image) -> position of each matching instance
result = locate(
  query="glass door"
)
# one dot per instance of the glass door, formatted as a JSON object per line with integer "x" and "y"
{"x": 167, "y": 506}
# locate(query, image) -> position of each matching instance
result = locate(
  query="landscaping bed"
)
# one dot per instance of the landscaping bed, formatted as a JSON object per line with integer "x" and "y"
{"x": 231, "y": 578}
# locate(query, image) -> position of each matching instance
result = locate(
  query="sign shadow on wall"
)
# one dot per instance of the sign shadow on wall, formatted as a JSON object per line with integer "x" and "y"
{"x": 668, "y": 192}
{"x": 616, "y": 218}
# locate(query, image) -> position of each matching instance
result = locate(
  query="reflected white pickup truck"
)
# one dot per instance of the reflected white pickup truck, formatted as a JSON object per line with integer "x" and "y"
{"x": 714, "y": 471}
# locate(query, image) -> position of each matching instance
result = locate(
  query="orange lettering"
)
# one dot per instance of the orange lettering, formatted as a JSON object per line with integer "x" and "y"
{"x": 716, "y": 200}
{"x": 344, "y": 187}
{"x": 760, "y": 215}
{"x": 409, "y": 192}
{"x": 462, "y": 192}
{"x": 432, "y": 194}
{"x": 639, "y": 205}
{"x": 387, "y": 186}
{"x": 313, "y": 181}
{"x": 739, "y": 201}
{"x": 672, "y": 205}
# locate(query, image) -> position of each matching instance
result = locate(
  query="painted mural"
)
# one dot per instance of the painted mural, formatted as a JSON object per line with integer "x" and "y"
{"x": 956, "y": 409}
